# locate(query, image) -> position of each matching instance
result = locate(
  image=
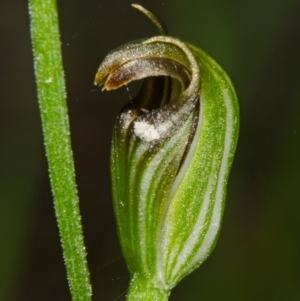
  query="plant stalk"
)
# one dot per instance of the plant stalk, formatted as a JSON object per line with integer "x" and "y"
{"x": 52, "y": 100}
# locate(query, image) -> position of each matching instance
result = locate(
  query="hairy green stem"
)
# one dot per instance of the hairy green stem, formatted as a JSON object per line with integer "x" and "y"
{"x": 52, "y": 100}
{"x": 141, "y": 289}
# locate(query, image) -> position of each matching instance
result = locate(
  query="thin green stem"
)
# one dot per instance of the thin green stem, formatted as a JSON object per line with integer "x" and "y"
{"x": 143, "y": 289}
{"x": 52, "y": 100}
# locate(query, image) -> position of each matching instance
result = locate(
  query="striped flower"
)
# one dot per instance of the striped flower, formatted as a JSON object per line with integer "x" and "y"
{"x": 172, "y": 150}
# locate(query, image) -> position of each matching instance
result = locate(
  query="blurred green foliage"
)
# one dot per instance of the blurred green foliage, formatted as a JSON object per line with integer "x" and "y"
{"x": 258, "y": 44}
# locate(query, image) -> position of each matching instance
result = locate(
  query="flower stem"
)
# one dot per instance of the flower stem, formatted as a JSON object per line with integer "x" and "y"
{"x": 143, "y": 289}
{"x": 52, "y": 101}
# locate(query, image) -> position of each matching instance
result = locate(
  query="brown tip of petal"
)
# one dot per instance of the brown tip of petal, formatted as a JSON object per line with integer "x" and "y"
{"x": 142, "y": 68}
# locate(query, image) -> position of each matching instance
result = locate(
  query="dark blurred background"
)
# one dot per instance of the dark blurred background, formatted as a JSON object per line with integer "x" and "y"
{"x": 258, "y": 43}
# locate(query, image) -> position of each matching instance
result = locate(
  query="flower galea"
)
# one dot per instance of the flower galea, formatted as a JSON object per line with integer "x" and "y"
{"x": 172, "y": 150}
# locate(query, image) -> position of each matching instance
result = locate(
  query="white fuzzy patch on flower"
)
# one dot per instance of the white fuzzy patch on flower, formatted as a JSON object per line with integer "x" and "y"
{"x": 149, "y": 132}
{"x": 146, "y": 131}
